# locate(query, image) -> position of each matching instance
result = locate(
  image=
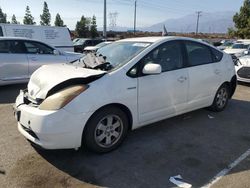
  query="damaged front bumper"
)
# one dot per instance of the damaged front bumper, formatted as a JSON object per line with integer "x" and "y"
{"x": 49, "y": 129}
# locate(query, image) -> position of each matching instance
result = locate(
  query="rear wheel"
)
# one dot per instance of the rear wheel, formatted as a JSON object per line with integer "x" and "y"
{"x": 106, "y": 130}
{"x": 221, "y": 99}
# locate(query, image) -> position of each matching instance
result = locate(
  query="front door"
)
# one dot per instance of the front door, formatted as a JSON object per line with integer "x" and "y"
{"x": 164, "y": 94}
{"x": 40, "y": 54}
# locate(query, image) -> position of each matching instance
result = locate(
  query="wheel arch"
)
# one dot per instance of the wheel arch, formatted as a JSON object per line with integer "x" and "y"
{"x": 124, "y": 108}
{"x": 231, "y": 85}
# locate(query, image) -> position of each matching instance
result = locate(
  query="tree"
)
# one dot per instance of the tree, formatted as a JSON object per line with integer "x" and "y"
{"x": 93, "y": 28}
{"x": 28, "y": 18}
{"x": 58, "y": 21}
{"x": 242, "y": 22}
{"x": 3, "y": 16}
{"x": 46, "y": 16}
{"x": 82, "y": 28}
{"x": 13, "y": 19}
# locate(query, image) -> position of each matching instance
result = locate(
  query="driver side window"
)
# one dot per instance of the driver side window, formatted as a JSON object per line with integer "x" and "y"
{"x": 168, "y": 55}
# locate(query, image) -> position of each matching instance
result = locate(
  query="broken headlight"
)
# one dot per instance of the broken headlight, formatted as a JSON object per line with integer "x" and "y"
{"x": 62, "y": 97}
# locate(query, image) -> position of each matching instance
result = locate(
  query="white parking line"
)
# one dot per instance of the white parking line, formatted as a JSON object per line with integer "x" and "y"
{"x": 227, "y": 170}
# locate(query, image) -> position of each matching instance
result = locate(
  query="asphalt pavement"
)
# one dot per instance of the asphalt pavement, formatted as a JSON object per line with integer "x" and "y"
{"x": 196, "y": 145}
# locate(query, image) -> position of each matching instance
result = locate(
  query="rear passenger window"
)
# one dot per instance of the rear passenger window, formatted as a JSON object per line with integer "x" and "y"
{"x": 198, "y": 54}
{"x": 12, "y": 46}
{"x": 17, "y": 47}
{"x": 4, "y": 47}
{"x": 217, "y": 55}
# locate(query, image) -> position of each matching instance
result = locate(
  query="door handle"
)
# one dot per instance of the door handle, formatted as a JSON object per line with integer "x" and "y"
{"x": 217, "y": 71}
{"x": 182, "y": 79}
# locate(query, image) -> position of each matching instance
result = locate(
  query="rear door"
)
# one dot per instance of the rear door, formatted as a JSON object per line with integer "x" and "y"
{"x": 13, "y": 61}
{"x": 205, "y": 74}
{"x": 40, "y": 54}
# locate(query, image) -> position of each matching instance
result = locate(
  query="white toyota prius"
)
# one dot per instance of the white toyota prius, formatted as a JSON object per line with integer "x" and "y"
{"x": 93, "y": 102}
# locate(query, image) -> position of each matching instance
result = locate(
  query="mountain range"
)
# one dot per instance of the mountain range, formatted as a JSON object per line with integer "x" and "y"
{"x": 214, "y": 22}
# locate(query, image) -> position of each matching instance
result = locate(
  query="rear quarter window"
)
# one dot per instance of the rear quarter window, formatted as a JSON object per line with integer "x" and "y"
{"x": 1, "y": 31}
{"x": 217, "y": 55}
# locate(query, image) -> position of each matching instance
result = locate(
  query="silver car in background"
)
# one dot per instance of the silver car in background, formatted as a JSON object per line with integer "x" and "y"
{"x": 20, "y": 57}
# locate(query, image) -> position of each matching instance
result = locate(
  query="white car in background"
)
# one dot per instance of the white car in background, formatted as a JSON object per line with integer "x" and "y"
{"x": 238, "y": 49}
{"x": 243, "y": 69}
{"x": 20, "y": 57}
{"x": 130, "y": 83}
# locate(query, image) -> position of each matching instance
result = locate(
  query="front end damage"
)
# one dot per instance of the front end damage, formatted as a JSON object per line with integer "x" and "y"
{"x": 40, "y": 112}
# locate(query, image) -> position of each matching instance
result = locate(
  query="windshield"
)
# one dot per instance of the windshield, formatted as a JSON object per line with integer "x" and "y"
{"x": 75, "y": 40}
{"x": 240, "y": 46}
{"x": 119, "y": 53}
{"x": 111, "y": 56}
{"x": 80, "y": 41}
{"x": 227, "y": 44}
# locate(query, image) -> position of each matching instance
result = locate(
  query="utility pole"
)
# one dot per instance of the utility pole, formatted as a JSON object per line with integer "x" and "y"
{"x": 105, "y": 20}
{"x": 135, "y": 17}
{"x": 198, "y": 19}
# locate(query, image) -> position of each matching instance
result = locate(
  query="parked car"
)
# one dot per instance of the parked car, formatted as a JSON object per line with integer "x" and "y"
{"x": 20, "y": 57}
{"x": 130, "y": 83}
{"x": 238, "y": 49}
{"x": 96, "y": 47}
{"x": 80, "y": 44}
{"x": 243, "y": 69}
{"x": 226, "y": 44}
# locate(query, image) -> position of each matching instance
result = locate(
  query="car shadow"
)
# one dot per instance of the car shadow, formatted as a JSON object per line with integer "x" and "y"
{"x": 9, "y": 93}
{"x": 196, "y": 145}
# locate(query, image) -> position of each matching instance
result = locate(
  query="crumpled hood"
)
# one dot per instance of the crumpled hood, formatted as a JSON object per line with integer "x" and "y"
{"x": 48, "y": 76}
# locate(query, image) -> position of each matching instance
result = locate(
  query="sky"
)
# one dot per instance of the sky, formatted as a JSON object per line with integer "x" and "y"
{"x": 149, "y": 12}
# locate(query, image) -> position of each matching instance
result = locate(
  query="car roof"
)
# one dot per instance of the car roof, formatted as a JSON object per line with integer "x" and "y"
{"x": 26, "y": 39}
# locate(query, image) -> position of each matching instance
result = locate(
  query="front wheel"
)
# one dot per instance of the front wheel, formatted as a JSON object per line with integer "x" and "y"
{"x": 106, "y": 130}
{"x": 221, "y": 99}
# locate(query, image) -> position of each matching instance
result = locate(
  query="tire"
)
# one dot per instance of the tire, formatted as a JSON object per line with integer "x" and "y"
{"x": 221, "y": 99}
{"x": 106, "y": 130}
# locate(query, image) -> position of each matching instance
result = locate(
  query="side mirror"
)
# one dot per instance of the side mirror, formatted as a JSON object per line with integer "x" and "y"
{"x": 151, "y": 68}
{"x": 56, "y": 52}
{"x": 246, "y": 52}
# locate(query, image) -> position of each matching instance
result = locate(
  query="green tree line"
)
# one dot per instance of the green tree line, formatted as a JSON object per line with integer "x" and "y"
{"x": 85, "y": 27}
{"x": 241, "y": 22}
